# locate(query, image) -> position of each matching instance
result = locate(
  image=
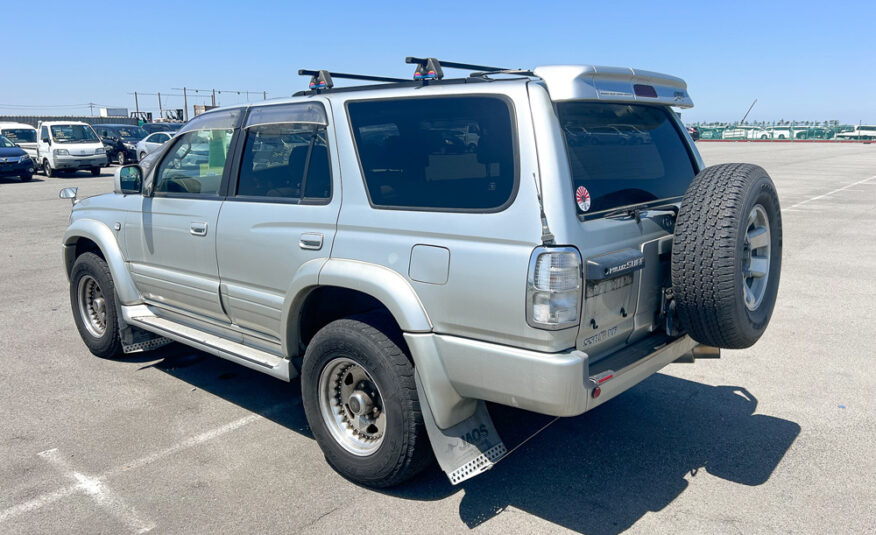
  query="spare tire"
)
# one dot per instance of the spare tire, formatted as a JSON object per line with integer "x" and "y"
{"x": 727, "y": 255}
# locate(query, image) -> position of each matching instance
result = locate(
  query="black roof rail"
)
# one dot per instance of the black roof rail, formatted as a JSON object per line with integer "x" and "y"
{"x": 322, "y": 79}
{"x": 430, "y": 68}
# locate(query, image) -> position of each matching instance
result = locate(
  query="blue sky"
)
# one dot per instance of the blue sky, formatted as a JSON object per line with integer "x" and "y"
{"x": 803, "y": 60}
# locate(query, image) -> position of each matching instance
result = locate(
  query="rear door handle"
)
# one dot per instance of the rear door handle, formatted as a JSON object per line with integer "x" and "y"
{"x": 311, "y": 241}
{"x": 198, "y": 229}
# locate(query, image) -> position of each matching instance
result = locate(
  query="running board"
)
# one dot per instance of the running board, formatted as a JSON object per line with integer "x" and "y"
{"x": 142, "y": 317}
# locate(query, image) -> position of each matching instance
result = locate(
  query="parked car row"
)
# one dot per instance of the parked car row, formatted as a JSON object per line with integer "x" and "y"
{"x": 14, "y": 161}
{"x": 67, "y": 146}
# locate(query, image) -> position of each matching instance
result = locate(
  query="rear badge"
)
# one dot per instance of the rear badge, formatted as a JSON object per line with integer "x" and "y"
{"x": 582, "y": 197}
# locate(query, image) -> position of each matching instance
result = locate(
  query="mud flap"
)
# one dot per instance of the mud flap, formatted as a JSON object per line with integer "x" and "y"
{"x": 134, "y": 339}
{"x": 466, "y": 449}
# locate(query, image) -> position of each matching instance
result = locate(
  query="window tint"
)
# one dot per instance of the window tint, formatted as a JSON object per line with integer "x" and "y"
{"x": 279, "y": 160}
{"x": 73, "y": 133}
{"x": 624, "y": 154}
{"x": 20, "y": 135}
{"x": 436, "y": 153}
{"x": 195, "y": 163}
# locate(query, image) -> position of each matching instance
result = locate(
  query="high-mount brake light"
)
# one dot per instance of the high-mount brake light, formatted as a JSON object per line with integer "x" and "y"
{"x": 642, "y": 90}
{"x": 553, "y": 292}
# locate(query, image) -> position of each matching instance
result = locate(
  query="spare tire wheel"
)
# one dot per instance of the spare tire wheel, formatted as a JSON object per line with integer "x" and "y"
{"x": 726, "y": 255}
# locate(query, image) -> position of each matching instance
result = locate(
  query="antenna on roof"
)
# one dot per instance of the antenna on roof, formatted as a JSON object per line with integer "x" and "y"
{"x": 322, "y": 79}
{"x": 430, "y": 68}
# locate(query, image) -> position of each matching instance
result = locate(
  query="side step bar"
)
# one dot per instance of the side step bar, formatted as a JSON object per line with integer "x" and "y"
{"x": 141, "y": 316}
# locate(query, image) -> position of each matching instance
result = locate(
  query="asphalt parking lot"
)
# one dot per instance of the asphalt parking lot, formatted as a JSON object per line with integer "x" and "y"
{"x": 778, "y": 437}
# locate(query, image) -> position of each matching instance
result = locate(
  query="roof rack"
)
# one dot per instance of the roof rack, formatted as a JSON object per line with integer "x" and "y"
{"x": 484, "y": 74}
{"x": 430, "y": 68}
{"x": 322, "y": 79}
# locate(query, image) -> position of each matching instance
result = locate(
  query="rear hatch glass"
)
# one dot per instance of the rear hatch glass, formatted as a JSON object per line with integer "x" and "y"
{"x": 623, "y": 154}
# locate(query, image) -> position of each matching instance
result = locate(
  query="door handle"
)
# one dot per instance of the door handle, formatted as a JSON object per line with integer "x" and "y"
{"x": 311, "y": 241}
{"x": 198, "y": 229}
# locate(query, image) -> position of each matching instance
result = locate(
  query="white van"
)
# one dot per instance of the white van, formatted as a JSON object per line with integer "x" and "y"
{"x": 23, "y": 135}
{"x": 69, "y": 146}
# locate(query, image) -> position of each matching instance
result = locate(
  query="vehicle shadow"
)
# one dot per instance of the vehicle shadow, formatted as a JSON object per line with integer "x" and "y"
{"x": 16, "y": 180}
{"x": 596, "y": 473}
{"x": 252, "y": 390}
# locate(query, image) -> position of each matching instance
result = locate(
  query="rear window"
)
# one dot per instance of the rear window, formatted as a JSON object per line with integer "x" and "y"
{"x": 623, "y": 154}
{"x": 20, "y": 135}
{"x": 452, "y": 153}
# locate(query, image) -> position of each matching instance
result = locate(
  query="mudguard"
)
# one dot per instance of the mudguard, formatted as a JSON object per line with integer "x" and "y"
{"x": 466, "y": 449}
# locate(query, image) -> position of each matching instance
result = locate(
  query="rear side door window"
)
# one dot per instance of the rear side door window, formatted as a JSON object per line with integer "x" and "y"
{"x": 285, "y": 155}
{"x": 442, "y": 154}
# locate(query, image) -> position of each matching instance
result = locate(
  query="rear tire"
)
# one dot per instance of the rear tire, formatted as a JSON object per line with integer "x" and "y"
{"x": 727, "y": 254}
{"x": 93, "y": 298}
{"x": 363, "y": 350}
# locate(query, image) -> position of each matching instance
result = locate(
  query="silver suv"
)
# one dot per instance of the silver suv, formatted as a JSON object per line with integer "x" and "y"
{"x": 412, "y": 249}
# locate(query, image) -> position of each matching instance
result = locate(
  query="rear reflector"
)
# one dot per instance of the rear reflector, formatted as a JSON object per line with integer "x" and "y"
{"x": 645, "y": 91}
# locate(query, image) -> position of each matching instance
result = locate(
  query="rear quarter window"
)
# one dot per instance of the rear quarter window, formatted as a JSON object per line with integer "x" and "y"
{"x": 445, "y": 153}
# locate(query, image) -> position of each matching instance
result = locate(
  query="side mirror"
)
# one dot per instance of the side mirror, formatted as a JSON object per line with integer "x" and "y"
{"x": 46, "y": 140}
{"x": 69, "y": 193}
{"x": 128, "y": 179}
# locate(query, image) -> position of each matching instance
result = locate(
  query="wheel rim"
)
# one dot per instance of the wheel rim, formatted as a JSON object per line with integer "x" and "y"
{"x": 120, "y": 157}
{"x": 351, "y": 406}
{"x": 92, "y": 306}
{"x": 756, "y": 258}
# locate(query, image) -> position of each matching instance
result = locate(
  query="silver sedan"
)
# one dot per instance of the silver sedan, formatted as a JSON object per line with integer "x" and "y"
{"x": 151, "y": 143}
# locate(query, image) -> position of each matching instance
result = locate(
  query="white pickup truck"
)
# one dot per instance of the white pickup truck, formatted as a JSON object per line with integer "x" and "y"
{"x": 69, "y": 146}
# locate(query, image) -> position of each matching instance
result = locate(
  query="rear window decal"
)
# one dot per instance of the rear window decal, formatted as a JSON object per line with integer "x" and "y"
{"x": 582, "y": 197}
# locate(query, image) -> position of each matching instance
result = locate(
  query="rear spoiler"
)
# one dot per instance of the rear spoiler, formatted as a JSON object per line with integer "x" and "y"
{"x": 613, "y": 84}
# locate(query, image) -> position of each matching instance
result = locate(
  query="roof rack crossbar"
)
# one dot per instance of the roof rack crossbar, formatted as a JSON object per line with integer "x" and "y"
{"x": 525, "y": 72}
{"x": 453, "y": 64}
{"x": 322, "y": 79}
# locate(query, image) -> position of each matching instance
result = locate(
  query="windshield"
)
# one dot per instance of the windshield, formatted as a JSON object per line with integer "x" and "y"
{"x": 5, "y": 143}
{"x": 133, "y": 133}
{"x": 73, "y": 133}
{"x": 622, "y": 154}
{"x": 20, "y": 135}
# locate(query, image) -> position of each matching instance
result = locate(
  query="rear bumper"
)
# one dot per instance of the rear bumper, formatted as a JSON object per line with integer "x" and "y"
{"x": 558, "y": 384}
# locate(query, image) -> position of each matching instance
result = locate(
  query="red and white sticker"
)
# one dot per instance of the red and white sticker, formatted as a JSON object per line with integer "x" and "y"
{"x": 582, "y": 197}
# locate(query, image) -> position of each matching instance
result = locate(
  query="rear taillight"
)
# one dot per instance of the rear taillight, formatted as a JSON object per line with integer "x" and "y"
{"x": 553, "y": 292}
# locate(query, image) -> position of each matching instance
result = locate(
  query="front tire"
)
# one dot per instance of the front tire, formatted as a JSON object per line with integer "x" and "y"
{"x": 361, "y": 401}
{"x": 727, "y": 255}
{"x": 47, "y": 169}
{"x": 121, "y": 159}
{"x": 95, "y": 171}
{"x": 27, "y": 177}
{"x": 92, "y": 296}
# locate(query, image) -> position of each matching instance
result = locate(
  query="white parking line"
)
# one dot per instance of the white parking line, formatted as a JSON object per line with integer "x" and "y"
{"x": 101, "y": 493}
{"x": 828, "y": 193}
{"x": 95, "y": 487}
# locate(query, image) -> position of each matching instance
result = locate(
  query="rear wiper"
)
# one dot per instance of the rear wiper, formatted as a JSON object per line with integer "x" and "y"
{"x": 635, "y": 211}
